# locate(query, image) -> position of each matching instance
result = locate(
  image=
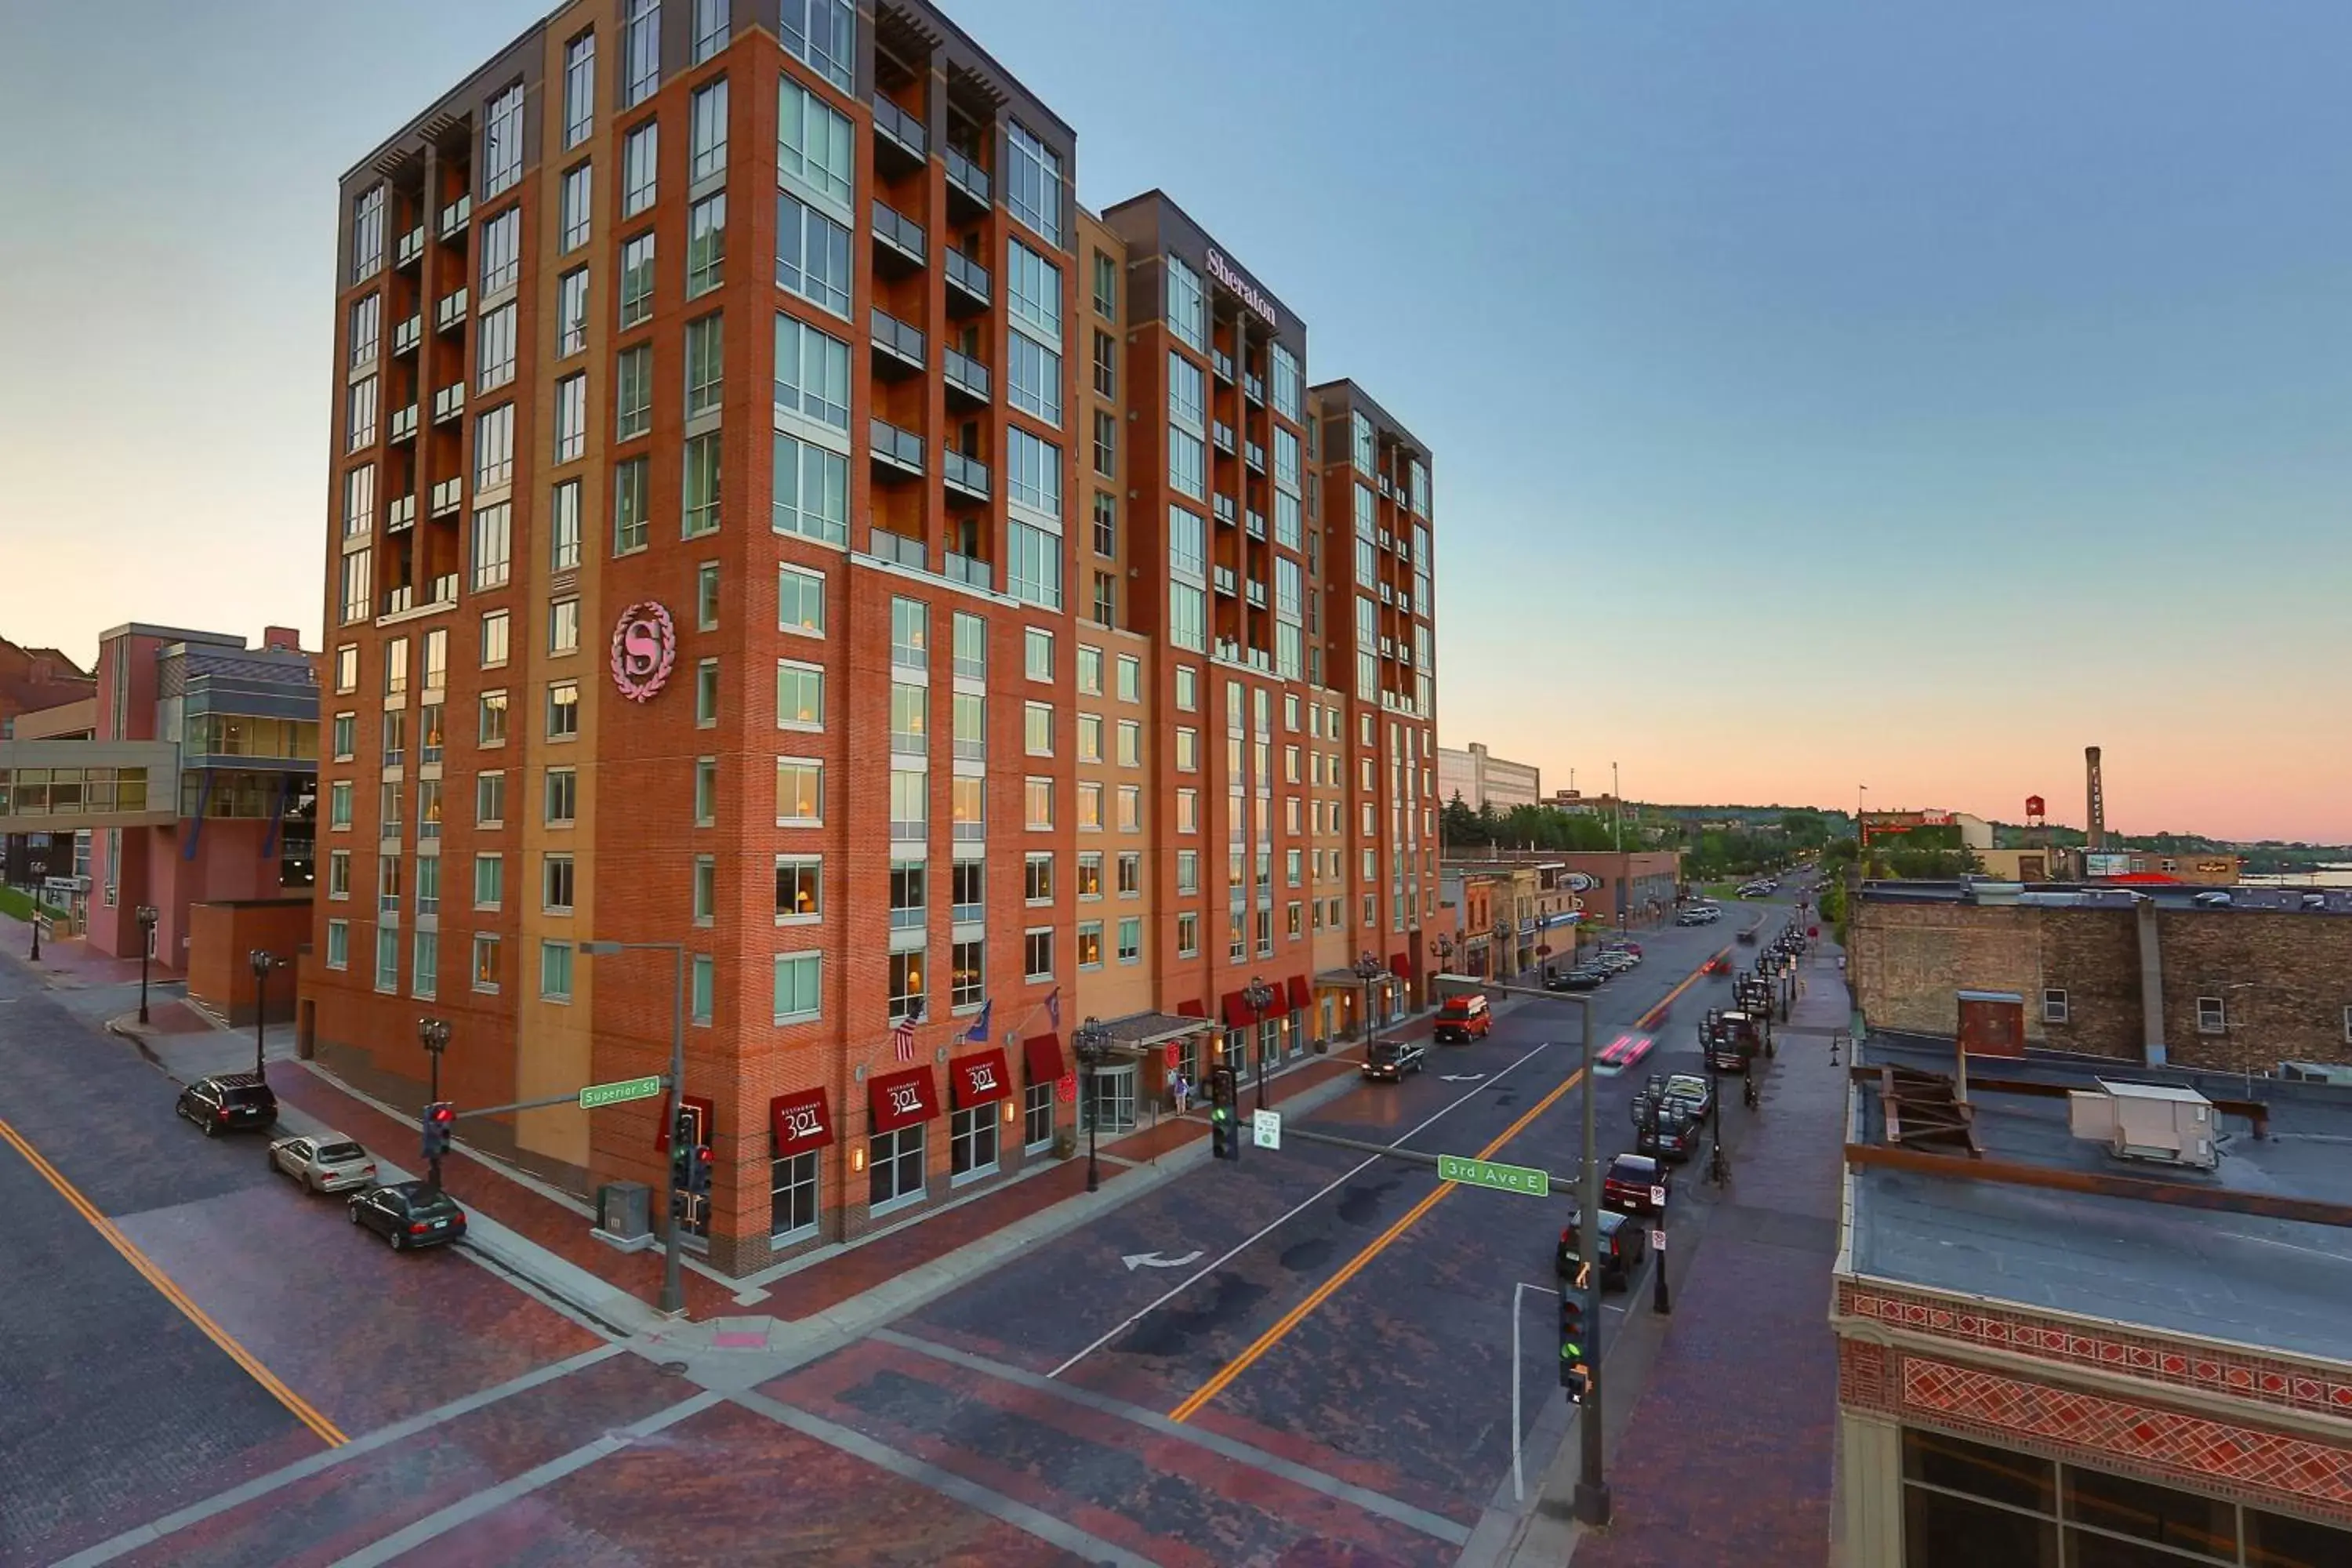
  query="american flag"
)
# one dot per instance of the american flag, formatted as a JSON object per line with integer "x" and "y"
{"x": 902, "y": 1039}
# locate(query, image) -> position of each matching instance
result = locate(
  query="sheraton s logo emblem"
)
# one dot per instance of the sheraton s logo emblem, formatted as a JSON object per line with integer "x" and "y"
{"x": 905, "y": 1100}
{"x": 803, "y": 1121}
{"x": 644, "y": 649}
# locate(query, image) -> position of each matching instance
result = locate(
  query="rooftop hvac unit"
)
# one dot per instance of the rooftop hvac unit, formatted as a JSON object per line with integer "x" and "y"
{"x": 2317, "y": 1072}
{"x": 2147, "y": 1121}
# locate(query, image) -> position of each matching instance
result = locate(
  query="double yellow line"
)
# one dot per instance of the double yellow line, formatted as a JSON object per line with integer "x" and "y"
{"x": 301, "y": 1408}
{"x": 1323, "y": 1292}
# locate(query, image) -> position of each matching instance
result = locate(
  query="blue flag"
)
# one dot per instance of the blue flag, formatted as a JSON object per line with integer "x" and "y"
{"x": 978, "y": 1034}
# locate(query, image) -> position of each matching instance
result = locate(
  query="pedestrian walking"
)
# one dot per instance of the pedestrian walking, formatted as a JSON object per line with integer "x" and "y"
{"x": 1180, "y": 1093}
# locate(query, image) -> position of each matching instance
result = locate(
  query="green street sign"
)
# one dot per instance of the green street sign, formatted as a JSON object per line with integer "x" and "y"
{"x": 621, "y": 1091}
{"x": 1487, "y": 1173}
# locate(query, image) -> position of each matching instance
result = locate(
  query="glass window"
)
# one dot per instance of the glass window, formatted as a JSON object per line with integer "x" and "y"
{"x": 633, "y": 392}
{"x": 909, "y": 719}
{"x": 575, "y": 207}
{"x": 792, "y": 1198}
{"x": 1038, "y": 651}
{"x": 1033, "y": 476}
{"x": 1035, "y": 576}
{"x": 812, "y": 491}
{"x": 365, "y": 339}
{"x": 812, "y": 374}
{"x": 706, "y": 597}
{"x": 1038, "y": 803}
{"x": 640, "y": 51}
{"x": 1287, "y": 384}
{"x": 706, "y": 131}
{"x": 699, "y": 514}
{"x": 1037, "y": 729}
{"x": 1037, "y": 952}
{"x": 579, "y": 89}
{"x": 705, "y": 693}
{"x": 571, "y": 417}
{"x": 796, "y": 991}
{"x": 706, "y": 245}
{"x": 502, "y": 251}
{"x": 824, "y": 34}
{"x": 637, "y": 279}
{"x": 814, "y": 146}
{"x": 906, "y": 984}
{"x": 562, "y": 709}
{"x": 555, "y": 971}
{"x": 705, "y": 363}
{"x": 800, "y": 600}
{"x": 1187, "y": 617}
{"x": 1188, "y": 543}
{"x": 971, "y": 647}
{"x": 812, "y": 255}
{"x": 1033, "y": 289}
{"x": 1032, "y": 376}
{"x": 563, "y": 626}
{"x": 895, "y": 1160}
{"x": 640, "y": 167}
{"x": 1186, "y": 315}
{"x": 910, "y": 634}
{"x": 1188, "y": 393}
{"x": 1037, "y": 876}
{"x": 1187, "y": 464}
{"x": 800, "y": 887}
{"x": 359, "y": 426}
{"x": 631, "y": 515}
{"x": 711, "y": 27}
{"x": 502, "y": 141}
{"x": 571, "y": 313}
{"x": 493, "y": 544}
{"x": 800, "y": 791}
{"x": 1034, "y": 189}
{"x": 800, "y": 695}
{"x": 972, "y": 1144}
{"x": 367, "y": 233}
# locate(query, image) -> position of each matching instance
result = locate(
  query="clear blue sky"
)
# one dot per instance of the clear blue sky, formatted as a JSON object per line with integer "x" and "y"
{"x": 1823, "y": 392}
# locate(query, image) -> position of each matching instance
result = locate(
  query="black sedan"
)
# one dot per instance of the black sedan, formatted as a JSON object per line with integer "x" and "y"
{"x": 409, "y": 1213}
{"x": 1582, "y": 978}
{"x": 1392, "y": 1059}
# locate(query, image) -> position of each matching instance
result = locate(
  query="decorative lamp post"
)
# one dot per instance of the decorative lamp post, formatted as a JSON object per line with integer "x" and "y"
{"x": 262, "y": 965}
{"x": 1260, "y": 996}
{"x": 434, "y": 1034}
{"x": 1092, "y": 1045}
{"x": 1368, "y": 968}
{"x": 1444, "y": 947}
{"x": 1505, "y": 945}
{"x": 146, "y": 916}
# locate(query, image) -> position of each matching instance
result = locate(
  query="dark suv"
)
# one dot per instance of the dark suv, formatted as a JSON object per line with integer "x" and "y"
{"x": 1624, "y": 1245}
{"x": 1392, "y": 1059}
{"x": 230, "y": 1102}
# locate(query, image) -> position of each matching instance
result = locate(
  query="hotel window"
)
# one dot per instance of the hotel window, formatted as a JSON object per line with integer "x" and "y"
{"x": 339, "y": 874}
{"x": 812, "y": 256}
{"x": 705, "y": 693}
{"x": 1037, "y": 729}
{"x": 2054, "y": 1006}
{"x": 1186, "y": 317}
{"x": 345, "y": 737}
{"x": 1106, "y": 523}
{"x": 1130, "y": 940}
{"x": 486, "y": 962}
{"x": 707, "y": 132}
{"x": 494, "y": 449}
{"x": 706, "y": 597}
{"x": 812, "y": 374}
{"x": 967, "y": 965}
{"x": 640, "y": 167}
{"x": 579, "y": 89}
{"x": 1187, "y": 463}
{"x": 364, "y": 338}
{"x": 1034, "y": 290}
{"x": 631, "y": 520}
{"x": 1106, "y": 286}
{"x": 699, "y": 513}
{"x": 387, "y": 958}
{"x": 367, "y": 233}
{"x": 556, "y": 884}
{"x": 907, "y": 992}
{"x": 1130, "y": 873}
{"x": 1038, "y": 803}
{"x": 800, "y": 695}
{"x": 574, "y": 206}
{"x": 1033, "y": 475}
{"x": 1130, "y": 743}
{"x": 493, "y": 542}
{"x": 1038, "y": 652}
{"x": 910, "y": 705}
{"x": 816, "y": 146}
{"x": 562, "y": 797}
{"x": 359, "y": 587}
{"x": 824, "y": 34}
{"x": 792, "y": 1198}
{"x": 799, "y": 889}
{"x": 490, "y": 881}
{"x": 706, "y": 245}
{"x": 1032, "y": 376}
{"x": 640, "y": 51}
{"x": 705, "y": 792}
{"x": 501, "y": 251}
{"x": 1285, "y": 381}
{"x": 1037, "y": 952}
{"x": 971, "y": 652}
{"x": 1091, "y": 938}
{"x": 910, "y": 907}
{"x": 1091, "y": 799}
{"x": 1131, "y": 808}
{"x": 1033, "y": 190}
{"x": 712, "y": 22}
{"x": 1188, "y": 935}
{"x": 562, "y": 709}
{"x": 555, "y": 971}
{"x": 968, "y": 898}
{"x": 1090, "y": 874}
{"x": 797, "y": 996}
{"x": 706, "y": 889}
{"x": 1188, "y": 393}
{"x": 706, "y": 354}
{"x": 1187, "y": 617}
{"x": 571, "y": 313}
{"x": 1188, "y": 689}
{"x": 895, "y": 1168}
{"x": 502, "y": 141}
{"x": 489, "y": 800}
{"x": 800, "y": 791}
{"x": 1106, "y": 597}
{"x": 339, "y": 944}
{"x": 1188, "y": 748}
{"x": 359, "y": 427}
{"x": 359, "y": 501}
{"x": 571, "y": 416}
{"x": 490, "y": 727}
{"x": 812, "y": 491}
{"x": 1036, "y": 577}
{"x": 1187, "y": 871}
{"x": 800, "y": 600}
{"x": 637, "y": 279}
{"x": 703, "y": 987}
{"x": 2213, "y": 1016}
{"x": 1090, "y": 732}
{"x": 1106, "y": 365}
{"x": 1188, "y": 811}
{"x": 1037, "y": 876}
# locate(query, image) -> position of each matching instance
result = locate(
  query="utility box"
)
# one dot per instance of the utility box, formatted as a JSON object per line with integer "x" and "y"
{"x": 623, "y": 1211}
{"x": 2155, "y": 1122}
{"x": 1993, "y": 1023}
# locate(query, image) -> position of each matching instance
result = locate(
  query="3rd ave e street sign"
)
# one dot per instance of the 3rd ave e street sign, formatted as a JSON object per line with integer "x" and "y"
{"x": 620, "y": 1092}
{"x": 1525, "y": 1179}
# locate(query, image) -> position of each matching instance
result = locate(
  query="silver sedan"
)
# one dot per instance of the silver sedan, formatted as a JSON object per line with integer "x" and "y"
{"x": 327, "y": 1162}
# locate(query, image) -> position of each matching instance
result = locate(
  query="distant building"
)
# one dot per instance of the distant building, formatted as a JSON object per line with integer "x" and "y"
{"x": 1482, "y": 779}
{"x": 35, "y": 678}
{"x": 1971, "y": 832}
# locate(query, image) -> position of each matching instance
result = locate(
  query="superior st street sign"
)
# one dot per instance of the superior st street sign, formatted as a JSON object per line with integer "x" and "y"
{"x": 1525, "y": 1179}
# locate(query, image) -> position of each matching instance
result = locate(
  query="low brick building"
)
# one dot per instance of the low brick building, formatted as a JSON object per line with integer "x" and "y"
{"x": 2140, "y": 976}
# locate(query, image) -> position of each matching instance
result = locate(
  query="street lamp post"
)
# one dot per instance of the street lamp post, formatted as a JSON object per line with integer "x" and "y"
{"x": 1260, "y": 996}
{"x": 1368, "y": 968}
{"x": 673, "y": 1291}
{"x": 434, "y": 1034}
{"x": 262, "y": 963}
{"x": 1092, "y": 1046}
{"x": 1506, "y": 944}
{"x": 146, "y": 916}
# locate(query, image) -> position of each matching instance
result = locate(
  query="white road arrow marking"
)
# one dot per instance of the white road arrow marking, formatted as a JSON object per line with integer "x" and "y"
{"x": 1460, "y": 1078}
{"x": 1135, "y": 1260}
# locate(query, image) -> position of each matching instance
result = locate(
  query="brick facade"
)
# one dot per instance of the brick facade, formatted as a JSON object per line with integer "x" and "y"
{"x": 2286, "y": 978}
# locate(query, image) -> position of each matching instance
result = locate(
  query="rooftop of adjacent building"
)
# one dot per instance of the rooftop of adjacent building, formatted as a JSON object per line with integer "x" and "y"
{"x": 1986, "y": 893}
{"x": 2241, "y": 1277}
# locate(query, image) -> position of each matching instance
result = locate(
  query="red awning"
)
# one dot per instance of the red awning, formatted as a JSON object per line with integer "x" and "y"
{"x": 1301, "y": 996}
{"x": 1237, "y": 1011}
{"x": 980, "y": 1078}
{"x": 901, "y": 1099}
{"x": 801, "y": 1123}
{"x": 1043, "y": 1054}
{"x": 1190, "y": 1010}
{"x": 1401, "y": 965}
{"x": 694, "y": 1102}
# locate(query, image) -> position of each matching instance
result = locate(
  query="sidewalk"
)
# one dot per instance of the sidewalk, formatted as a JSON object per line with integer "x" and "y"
{"x": 1726, "y": 1456}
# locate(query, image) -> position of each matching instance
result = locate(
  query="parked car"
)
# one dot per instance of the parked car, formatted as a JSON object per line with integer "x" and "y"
{"x": 1624, "y": 1245}
{"x": 1627, "y": 1186}
{"x": 409, "y": 1213}
{"x": 1583, "y": 977}
{"x": 327, "y": 1162}
{"x": 1392, "y": 1059}
{"x": 1691, "y": 1093}
{"x": 1463, "y": 1018}
{"x": 1618, "y": 962}
{"x": 1672, "y": 1137}
{"x": 230, "y": 1102}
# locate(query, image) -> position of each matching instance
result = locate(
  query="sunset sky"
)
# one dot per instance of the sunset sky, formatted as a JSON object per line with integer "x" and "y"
{"x": 1824, "y": 393}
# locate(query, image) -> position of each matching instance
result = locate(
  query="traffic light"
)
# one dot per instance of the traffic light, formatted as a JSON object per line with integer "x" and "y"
{"x": 698, "y": 1168}
{"x": 440, "y": 1117}
{"x": 1224, "y": 1129}
{"x": 1574, "y": 1375}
